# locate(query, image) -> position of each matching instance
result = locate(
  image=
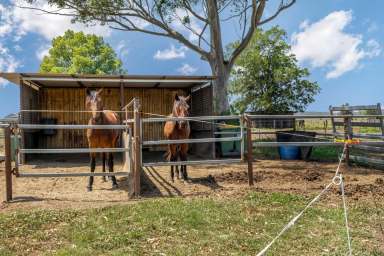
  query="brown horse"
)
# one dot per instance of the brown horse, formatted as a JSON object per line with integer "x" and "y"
{"x": 175, "y": 130}
{"x": 98, "y": 138}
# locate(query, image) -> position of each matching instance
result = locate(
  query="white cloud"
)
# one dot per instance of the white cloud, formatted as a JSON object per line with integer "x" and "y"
{"x": 48, "y": 25}
{"x": 121, "y": 49}
{"x": 373, "y": 48}
{"x": 325, "y": 44}
{"x": 43, "y": 51}
{"x": 171, "y": 53}
{"x": 8, "y": 63}
{"x": 187, "y": 69}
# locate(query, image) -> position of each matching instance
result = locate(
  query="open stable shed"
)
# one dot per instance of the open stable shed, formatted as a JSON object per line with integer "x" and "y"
{"x": 57, "y": 99}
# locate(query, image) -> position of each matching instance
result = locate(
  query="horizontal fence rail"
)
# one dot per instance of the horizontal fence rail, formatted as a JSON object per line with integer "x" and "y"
{"x": 197, "y": 118}
{"x": 70, "y": 126}
{"x": 320, "y": 143}
{"x": 311, "y": 116}
{"x": 194, "y": 162}
{"x": 81, "y": 174}
{"x": 72, "y": 150}
{"x": 362, "y": 135}
{"x": 204, "y": 140}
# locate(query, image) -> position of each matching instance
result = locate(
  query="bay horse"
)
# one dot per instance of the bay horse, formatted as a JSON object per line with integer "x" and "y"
{"x": 176, "y": 130}
{"x": 98, "y": 138}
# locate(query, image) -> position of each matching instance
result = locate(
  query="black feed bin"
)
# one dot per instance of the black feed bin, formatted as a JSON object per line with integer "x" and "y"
{"x": 295, "y": 152}
{"x": 48, "y": 132}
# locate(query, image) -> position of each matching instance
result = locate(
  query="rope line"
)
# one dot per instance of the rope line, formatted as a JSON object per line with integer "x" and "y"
{"x": 345, "y": 216}
{"x": 293, "y": 220}
{"x": 336, "y": 180}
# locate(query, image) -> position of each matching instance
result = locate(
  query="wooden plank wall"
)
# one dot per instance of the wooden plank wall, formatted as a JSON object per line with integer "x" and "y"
{"x": 153, "y": 100}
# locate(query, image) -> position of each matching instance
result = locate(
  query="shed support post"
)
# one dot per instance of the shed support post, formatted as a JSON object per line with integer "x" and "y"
{"x": 249, "y": 151}
{"x": 8, "y": 164}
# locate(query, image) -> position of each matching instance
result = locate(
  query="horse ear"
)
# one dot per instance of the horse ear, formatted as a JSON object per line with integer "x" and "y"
{"x": 88, "y": 92}
{"x": 177, "y": 97}
{"x": 188, "y": 98}
{"x": 99, "y": 91}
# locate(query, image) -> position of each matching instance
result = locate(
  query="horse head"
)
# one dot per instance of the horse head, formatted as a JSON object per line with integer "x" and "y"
{"x": 94, "y": 103}
{"x": 181, "y": 109}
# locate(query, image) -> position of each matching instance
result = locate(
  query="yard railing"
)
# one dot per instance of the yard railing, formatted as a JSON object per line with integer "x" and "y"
{"x": 134, "y": 142}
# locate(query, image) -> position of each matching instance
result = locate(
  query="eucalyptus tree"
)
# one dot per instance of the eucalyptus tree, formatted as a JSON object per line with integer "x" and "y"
{"x": 197, "y": 24}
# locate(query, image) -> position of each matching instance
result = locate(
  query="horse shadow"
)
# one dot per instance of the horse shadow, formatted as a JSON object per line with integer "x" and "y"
{"x": 208, "y": 181}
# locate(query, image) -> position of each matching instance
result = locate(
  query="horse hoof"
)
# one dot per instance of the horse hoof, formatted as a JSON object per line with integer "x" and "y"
{"x": 89, "y": 189}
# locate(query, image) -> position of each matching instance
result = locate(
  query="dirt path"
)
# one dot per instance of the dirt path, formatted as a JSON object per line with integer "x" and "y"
{"x": 229, "y": 180}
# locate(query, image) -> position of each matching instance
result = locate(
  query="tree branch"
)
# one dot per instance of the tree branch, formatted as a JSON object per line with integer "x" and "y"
{"x": 257, "y": 12}
{"x": 281, "y": 8}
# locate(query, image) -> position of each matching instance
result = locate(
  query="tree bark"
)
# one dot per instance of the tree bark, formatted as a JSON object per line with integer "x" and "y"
{"x": 219, "y": 87}
{"x": 217, "y": 61}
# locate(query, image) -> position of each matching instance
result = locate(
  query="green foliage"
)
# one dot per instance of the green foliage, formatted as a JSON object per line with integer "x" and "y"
{"x": 79, "y": 53}
{"x": 267, "y": 77}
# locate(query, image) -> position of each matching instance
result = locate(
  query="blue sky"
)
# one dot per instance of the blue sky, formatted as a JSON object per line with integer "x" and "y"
{"x": 340, "y": 41}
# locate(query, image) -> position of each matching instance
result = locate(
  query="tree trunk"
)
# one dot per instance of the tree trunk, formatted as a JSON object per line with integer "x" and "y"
{"x": 219, "y": 90}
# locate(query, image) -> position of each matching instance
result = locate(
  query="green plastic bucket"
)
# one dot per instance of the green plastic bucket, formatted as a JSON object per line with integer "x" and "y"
{"x": 230, "y": 148}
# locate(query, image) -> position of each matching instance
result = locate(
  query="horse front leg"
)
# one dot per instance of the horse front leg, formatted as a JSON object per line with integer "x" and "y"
{"x": 104, "y": 177}
{"x": 93, "y": 166}
{"x": 110, "y": 165}
{"x": 172, "y": 174}
{"x": 184, "y": 172}
{"x": 183, "y": 157}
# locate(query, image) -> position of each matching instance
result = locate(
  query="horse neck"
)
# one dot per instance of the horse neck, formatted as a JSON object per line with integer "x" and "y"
{"x": 100, "y": 119}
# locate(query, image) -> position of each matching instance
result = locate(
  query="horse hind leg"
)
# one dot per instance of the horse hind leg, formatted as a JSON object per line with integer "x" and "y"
{"x": 177, "y": 172}
{"x": 93, "y": 166}
{"x": 110, "y": 165}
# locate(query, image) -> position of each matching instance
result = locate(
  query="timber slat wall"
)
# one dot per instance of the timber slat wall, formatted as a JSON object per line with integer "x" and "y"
{"x": 369, "y": 155}
{"x": 153, "y": 100}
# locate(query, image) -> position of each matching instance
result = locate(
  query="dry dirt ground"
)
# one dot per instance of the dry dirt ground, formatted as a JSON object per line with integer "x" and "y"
{"x": 297, "y": 177}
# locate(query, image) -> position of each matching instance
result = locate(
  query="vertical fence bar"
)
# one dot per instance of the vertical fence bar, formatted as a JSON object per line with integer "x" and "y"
{"x": 8, "y": 164}
{"x": 137, "y": 134}
{"x": 249, "y": 150}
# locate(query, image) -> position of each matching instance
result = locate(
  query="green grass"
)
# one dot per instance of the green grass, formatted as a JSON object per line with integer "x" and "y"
{"x": 178, "y": 226}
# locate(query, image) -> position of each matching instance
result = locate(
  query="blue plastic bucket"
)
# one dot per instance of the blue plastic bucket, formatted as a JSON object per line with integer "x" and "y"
{"x": 289, "y": 152}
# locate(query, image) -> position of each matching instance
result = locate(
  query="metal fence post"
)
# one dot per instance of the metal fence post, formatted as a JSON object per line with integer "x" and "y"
{"x": 137, "y": 148}
{"x": 8, "y": 164}
{"x": 249, "y": 150}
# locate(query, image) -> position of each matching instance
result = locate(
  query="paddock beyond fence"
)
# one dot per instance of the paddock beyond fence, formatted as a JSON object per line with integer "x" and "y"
{"x": 244, "y": 134}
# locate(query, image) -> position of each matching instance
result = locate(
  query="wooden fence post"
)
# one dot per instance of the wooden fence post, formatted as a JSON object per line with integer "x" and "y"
{"x": 347, "y": 135}
{"x": 137, "y": 148}
{"x": 249, "y": 151}
{"x": 8, "y": 164}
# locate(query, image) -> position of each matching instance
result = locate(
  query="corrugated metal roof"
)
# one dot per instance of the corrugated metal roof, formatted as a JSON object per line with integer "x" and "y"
{"x": 139, "y": 81}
